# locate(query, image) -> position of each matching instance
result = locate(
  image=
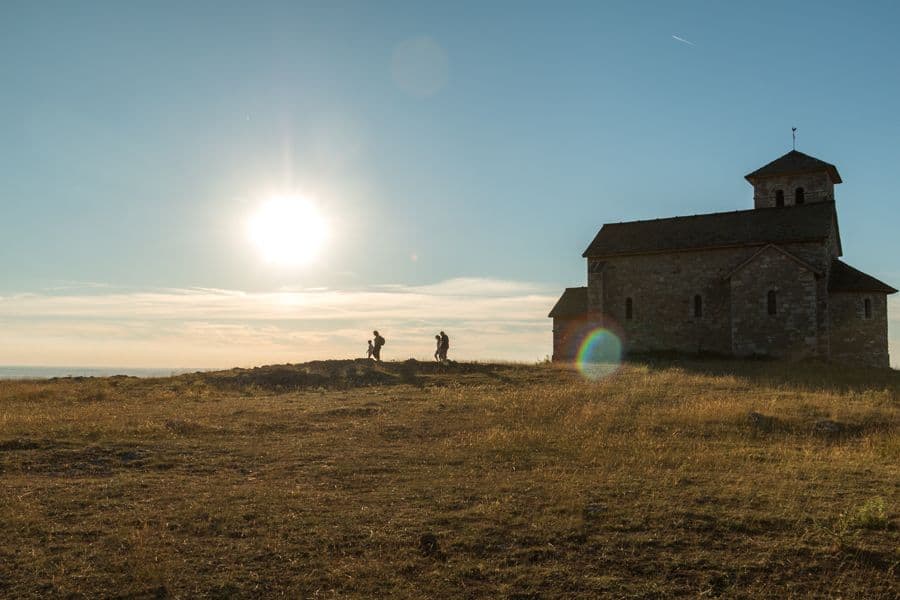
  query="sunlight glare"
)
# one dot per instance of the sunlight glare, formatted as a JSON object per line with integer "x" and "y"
{"x": 288, "y": 230}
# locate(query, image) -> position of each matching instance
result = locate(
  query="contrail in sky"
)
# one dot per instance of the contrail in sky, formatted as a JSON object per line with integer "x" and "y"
{"x": 682, "y": 40}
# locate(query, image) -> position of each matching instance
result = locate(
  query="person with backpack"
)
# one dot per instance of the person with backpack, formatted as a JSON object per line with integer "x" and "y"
{"x": 376, "y": 349}
{"x": 444, "y": 346}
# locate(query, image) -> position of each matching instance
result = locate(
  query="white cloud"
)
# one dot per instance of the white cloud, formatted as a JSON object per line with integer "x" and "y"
{"x": 200, "y": 327}
{"x": 487, "y": 319}
{"x": 682, "y": 40}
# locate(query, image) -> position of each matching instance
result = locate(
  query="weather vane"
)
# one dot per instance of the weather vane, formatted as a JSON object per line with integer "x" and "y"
{"x": 794, "y": 136}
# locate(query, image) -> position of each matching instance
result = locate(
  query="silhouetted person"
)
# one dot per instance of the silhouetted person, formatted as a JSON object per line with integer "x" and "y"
{"x": 437, "y": 350}
{"x": 444, "y": 345}
{"x": 371, "y": 350}
{"x": 376, "y": 349}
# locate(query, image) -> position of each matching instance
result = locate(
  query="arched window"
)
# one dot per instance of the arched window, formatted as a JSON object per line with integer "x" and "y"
{"x": 629, "y": 309}
{"x": 867, "y": 308}
{"x": 779, "y": 197}
{"x": 698, "y": 306}
{"x": 798, "y": 196}
{"x": 772, "y": 302}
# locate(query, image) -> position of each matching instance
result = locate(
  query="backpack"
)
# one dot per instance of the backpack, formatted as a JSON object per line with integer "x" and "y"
{"x": 379, "y": 341}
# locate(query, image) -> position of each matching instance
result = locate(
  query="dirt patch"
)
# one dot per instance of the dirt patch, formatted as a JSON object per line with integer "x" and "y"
{"x": 18, "y": 444}
{"x": 350, "y": 411}
{"x": 90, "y": 461}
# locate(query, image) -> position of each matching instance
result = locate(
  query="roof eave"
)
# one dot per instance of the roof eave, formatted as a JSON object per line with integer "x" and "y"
{"x": 702, "y": 248}
{"x": 830, "y": 169}
{"x": 559, "y": 309}
{"x": 869, "y": 284}
{"x": 586, "y": 254}
{"x": 886, "y": 291}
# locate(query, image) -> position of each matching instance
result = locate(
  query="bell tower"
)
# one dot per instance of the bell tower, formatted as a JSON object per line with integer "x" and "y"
{"x": 794, "y": 178}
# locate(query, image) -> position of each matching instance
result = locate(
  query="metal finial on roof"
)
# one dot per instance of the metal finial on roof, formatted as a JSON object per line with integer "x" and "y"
{"x": 794, "y": 136}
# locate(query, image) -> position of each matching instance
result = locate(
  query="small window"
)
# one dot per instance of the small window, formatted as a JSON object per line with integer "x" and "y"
{"x": 799, "y": 196}
{"x": 698, "y": 306}
{"x": 867, "y": 308}
{"x": 629, "y": 309}
{"x": 779, "y": 197}
{"x": 772, "y": 302}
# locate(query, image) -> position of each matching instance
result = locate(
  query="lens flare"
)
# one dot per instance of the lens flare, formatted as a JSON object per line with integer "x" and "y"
{"x": 599, "y": 355}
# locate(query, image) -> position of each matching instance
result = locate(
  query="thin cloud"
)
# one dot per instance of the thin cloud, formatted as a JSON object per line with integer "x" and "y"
{"x": 212, "y": 328}
{"x": 67, "y": 285}
{"x": 199, "y": 327}
{"x": 682, "y": 40}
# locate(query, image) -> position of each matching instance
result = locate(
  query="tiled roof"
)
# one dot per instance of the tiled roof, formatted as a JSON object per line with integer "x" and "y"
{"x": 573, "y": 303}
{"x": 804, "y": 222}
{"x": 794, "y": 162}
{"x": 845, "y": 278}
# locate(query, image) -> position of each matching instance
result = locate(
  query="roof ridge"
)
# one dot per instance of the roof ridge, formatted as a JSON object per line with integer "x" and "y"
{"x": 807, "y": 222}
{"x": 724, "y": 212}
{"x": 794, "y": 161}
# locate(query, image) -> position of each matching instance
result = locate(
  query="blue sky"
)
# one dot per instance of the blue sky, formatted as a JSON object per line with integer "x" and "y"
{"x": 138, "y": 137}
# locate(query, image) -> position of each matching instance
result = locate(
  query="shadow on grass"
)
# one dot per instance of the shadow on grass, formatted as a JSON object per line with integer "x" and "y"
{"x": 810, "y": 375}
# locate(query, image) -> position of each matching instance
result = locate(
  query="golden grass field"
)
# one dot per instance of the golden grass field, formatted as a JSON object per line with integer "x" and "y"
{"x": 344, "y": 479}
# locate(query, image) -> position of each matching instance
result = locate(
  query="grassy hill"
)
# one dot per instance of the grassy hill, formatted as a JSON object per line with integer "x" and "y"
{"x": 345, "y": 479}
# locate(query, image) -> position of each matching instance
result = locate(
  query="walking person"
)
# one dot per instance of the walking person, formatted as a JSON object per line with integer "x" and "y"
{"x": 371, "y": 350}
{"x": 376, "y": 348}
{"x": 443, "y": 345}
{"x": 437, "y": 350}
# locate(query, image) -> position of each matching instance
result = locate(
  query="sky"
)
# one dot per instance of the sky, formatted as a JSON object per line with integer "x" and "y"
{"x": 464, "y": 154}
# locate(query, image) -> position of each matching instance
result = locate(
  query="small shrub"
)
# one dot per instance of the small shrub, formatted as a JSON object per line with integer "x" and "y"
{"x": 871, "y": 515}
{"x": 408, "y": 372}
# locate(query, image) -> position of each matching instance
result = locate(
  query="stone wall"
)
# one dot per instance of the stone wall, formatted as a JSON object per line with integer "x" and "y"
{"x": 793, "y": 330}
{"x": 856, "y": 339}
{"x": 819, "y": 256}
{"x": 817, "y": 187}
{"x": 662, "y": 288}
{"x": 567, "y": 336}
{"x": 809, "y": 322}
{"x": 595, "y": 288}
{"x": 833, "y": 246}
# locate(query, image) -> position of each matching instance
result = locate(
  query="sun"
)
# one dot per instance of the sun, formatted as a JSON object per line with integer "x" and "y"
{"x": 288, "y": 230}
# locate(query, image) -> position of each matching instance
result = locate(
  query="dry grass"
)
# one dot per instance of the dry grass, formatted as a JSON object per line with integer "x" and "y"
{"x": 346, "y": 480}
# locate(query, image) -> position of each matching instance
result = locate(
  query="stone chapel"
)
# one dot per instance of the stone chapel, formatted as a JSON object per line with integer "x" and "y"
{"x": 767, "y": 281}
